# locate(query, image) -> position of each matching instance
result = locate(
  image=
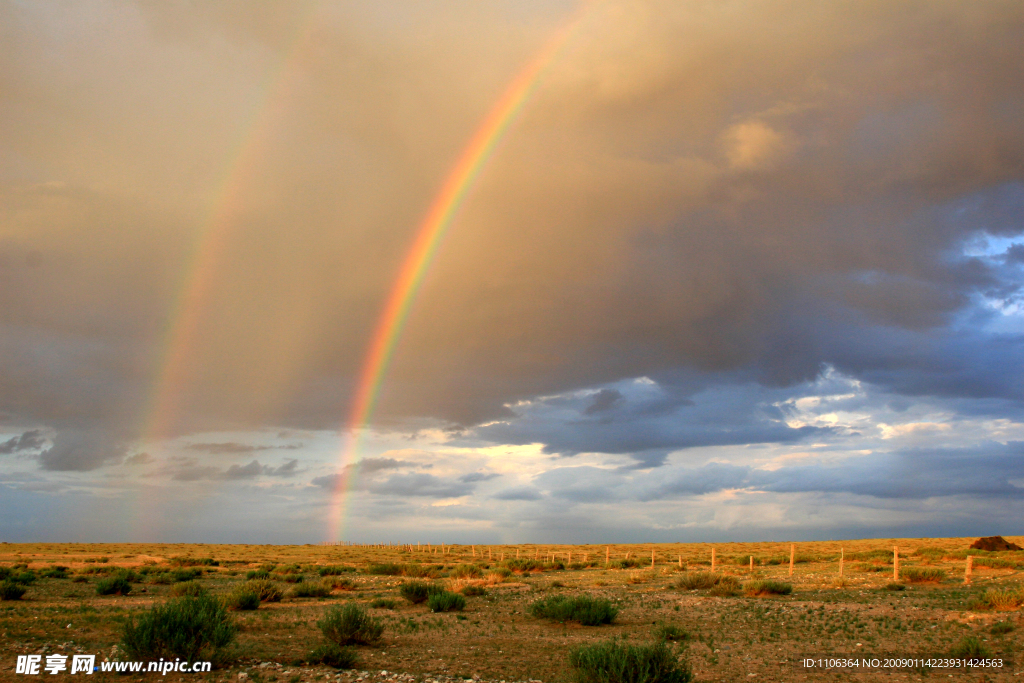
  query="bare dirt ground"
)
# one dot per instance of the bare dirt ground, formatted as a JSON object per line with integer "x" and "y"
{"x": 730, "y": 638}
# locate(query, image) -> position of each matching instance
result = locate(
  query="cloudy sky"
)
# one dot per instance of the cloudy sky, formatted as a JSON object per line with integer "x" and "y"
{"x": 737, "y": 270}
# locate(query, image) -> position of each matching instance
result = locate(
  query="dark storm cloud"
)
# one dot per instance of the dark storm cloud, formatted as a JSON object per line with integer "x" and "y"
{"x": 690, "y": 189}
{"x": 603, "y": 400}
{"x": 27, "y": 441}
{"x": 478, "y": 476}
{"x": 419, "y": 484}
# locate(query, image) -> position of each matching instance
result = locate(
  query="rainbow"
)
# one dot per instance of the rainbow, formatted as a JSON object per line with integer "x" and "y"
{"x": 421, "y": 254}
{"x": 213, "y": 240}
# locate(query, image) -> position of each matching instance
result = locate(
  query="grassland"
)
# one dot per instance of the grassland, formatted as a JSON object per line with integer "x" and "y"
{"x": 723, "y": 635}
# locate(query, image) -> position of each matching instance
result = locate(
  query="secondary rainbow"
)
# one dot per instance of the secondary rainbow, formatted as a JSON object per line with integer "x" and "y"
{"x": 419, "y": 257}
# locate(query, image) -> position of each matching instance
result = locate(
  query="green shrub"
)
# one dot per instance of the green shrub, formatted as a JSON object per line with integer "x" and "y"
{"x": 615, "y": 662}
{"x": 446, "y": 601}
{"x": 471, "y": 590}
{"x": 383, "y": 603}
{"x": 623, "y": 564}
{"x": 466, "y": 571}
{"x": 56, "y": 572}
{"x": 191, "y": 628}
{"x": 727, "y": 586}
{"x": 341, "y": 583}
{"x": 334, "y": 655}
{"x": 969, "y": 647}
{"x": 895, "y": 586}
{"x": 1001, "y": 627}
{"x": 1006, "y": 599}
{"x": 293, "y": 578}
{"x": 194, "y": 562}
{"x": 79, "y": 579}
{"x": 879, "y": 555}
{"x": 386, "y": 569}
{"x": 311, "y": 589}
{"x": 922, "y": 574}
{"x": 257, "y": 574}
{"x": 25, "y": 578}
{"x": 334, "y": 570}
{"x": 267, "y": 590}
{"x": 670, "y": 632}
{"x": 113, "y": 585}
{"x": 161, "y": 578}
{"x": 350, "y": 624}
{"x": 698, "y": 580}
{"x": 11, "y": 590}
{"x": 242, "y": 599}
{"x": 191, "y": 588}
{"x": 5, "y": 573}
{"x": 182, "y": 575}
{"x": 765, "y": 587}
{"x": 521, "y": 566}
{"x": 582, "y": 609}
{"x": 418, "y": 591}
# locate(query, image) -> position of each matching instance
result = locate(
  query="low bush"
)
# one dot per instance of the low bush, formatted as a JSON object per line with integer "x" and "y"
{"x": 56, "y": 572}
{"x": 5, "y": 573}
{"x": 191, "y": 588}
{"x": 288, "y": 569}
{"x": 11, "y": 590}
{"x": 182, "y": 575}
{"x": 292, "y": 578}
{"x": 446, "y": 601}
{"x": 879, "y": 555}
{"x": 383, "y": 603}
{"x": 418, "y": 591}
{"x": 242, "y": 599}
{"x": 969, "y": 647}
{"x": 194, "y": 562}
{"x": 257, "y": 574}
{"x": 79, "y": 579}
{"x": 670, "y": 632}
{"x": 471, "y": 590}
{"x": 334, "y": 655}
{"x": 466, "y": 571}
{"x": 622, "y": 564}
{"x": 895, "y": 586}
{"x": 191, "y": 627}
{"x": 311, "y": 589}
{"x": 922, "y": 574}
{"x": 1001, "y": 627}
{"x": 113, "y": 585}
{"x": 334, "y": 570}
{"x": 350, "y": 624}
{"x": 581, "y": 609}
{"x": 521, "y": 566}
{"x": 386, "y": 569}
{"x": 267, "y": 590}
{"x": 341, "y": 583}
{"x": 764, "y": 587}
{"x": 726, "y": 587}
{"x": 698, "y": 580}
{"x": 1007, "y": 599}
{"x": 25, "y": 578}
{"x": 616, "y": 662}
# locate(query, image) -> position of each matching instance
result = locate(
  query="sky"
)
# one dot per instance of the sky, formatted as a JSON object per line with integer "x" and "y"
{"x": 741, "y": 270}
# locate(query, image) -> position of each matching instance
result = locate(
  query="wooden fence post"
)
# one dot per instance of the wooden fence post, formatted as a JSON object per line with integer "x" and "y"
{"x": 970, "y": 569}
{"x": 792, "y": 557}
{"x": 841, "y": 558}
{"x": 712, "y": 559}
{"x": 606, "y": 554}
{"x": 680, "y": 561}
{"x": 895, "y": 563}
{"x": 751, "y": 564}
{"x": 652, "y": 558}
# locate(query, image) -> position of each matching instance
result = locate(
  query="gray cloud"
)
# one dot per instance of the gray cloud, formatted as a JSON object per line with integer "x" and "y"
{"x": 27, "y": 441}
{"x": 603, "y": 400}
{"x": 518, "y": 493}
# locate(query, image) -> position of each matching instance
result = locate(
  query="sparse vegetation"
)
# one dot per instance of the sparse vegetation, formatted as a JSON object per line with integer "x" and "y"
{"x": 334, "y": 655}
{"x": 581, "y": 609}
{"x": 113, "y": 585}
{"x": 922, "y": 575}
{"x": 350, "y": 624}
{"x": 266, "y": 590}
{"x": 418, "y": 591}
{"x": 670, "y": 632}
{"x": 11, "y": 590}
{"x": 617, "y": 662}
{"x": 763, "y": 587}
{"x": 970, "y": 647}
{"x": 241, "y": 599}
{"x": 383, "y": 603}
{"x": 698, "y": 580}
{"x": 191, "y": 628}
{"x": 311, "y": 589}
{"x": 895, "y": 586}
{"x": 446, "y": 601}
{"x": 1001, "y": 627}
{"x": 192, "y": 588}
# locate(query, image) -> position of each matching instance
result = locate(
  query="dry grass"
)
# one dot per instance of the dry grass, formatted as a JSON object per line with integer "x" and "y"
{"x": 496, "y": 638}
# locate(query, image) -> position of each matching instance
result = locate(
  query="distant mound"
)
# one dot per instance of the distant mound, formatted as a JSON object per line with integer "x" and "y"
{"x": 994, "y": 543}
